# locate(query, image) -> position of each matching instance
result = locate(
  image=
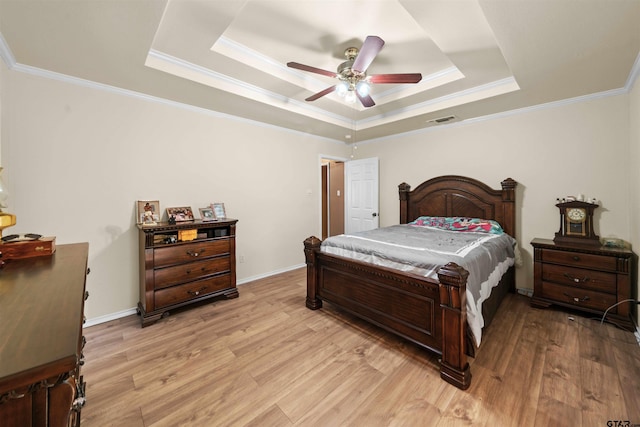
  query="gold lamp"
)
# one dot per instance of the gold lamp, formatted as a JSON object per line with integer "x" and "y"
{"x": 6, "y": 219}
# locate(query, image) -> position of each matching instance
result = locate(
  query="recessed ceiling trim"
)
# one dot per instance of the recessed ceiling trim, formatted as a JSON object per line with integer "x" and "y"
{"x": 254, "y": 59}
{"x": 462, "y": 97}
{"x": 431, "y": 81}
{"x": 175, "y": 66}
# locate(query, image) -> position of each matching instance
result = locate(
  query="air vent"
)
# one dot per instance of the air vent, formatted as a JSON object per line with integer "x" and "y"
{"x": 442, "y": 120}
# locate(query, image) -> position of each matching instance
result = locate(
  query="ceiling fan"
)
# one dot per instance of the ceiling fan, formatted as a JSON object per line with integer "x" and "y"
{"x": 354, "y": 82}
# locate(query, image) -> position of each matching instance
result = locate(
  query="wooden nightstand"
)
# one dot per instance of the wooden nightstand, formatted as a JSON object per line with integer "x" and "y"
{"x": 586, "y": 278}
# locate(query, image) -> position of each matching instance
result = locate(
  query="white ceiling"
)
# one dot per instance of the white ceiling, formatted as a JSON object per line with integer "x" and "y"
{"x": 477, "y": 57}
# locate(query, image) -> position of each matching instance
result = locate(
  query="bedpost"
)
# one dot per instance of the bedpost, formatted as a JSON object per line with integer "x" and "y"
{"x": 454, "y": 367}
{"x": 509, "y": 206}
{"x": 509, "y": 215}
{"x": 403, "y": 191}
{"x": 311, "y": 247}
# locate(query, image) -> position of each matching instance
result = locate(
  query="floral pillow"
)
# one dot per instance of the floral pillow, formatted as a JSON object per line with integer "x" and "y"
{"x": 456, "y": 223}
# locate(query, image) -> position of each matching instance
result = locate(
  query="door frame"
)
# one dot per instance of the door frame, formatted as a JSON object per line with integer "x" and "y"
{"x": 322, "y": 157}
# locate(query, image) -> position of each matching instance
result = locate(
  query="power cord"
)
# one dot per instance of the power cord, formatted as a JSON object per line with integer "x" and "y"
{"x": 636, "y": 333}
{"x": 616, "y": 304}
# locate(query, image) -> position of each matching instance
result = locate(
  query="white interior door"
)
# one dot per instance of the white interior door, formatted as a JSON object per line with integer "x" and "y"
{"x": 361, "y": 184}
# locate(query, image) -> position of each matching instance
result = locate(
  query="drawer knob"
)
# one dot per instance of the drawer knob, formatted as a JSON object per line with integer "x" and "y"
{"x": 576, "y": 258}
{"x": 576, "y": 299}
{"x": 195, "y": 253}
{"x": 576, "y": 279}
{"x": 196, "y": 293}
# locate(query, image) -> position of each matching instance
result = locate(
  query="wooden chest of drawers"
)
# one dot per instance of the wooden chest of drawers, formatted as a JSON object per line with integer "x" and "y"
{"x": 590, "y": 279}
{"x": 176, "y": 273}
{"x": 41, "y": 341}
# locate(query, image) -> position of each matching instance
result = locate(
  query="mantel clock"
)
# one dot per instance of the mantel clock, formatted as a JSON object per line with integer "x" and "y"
{"x": 576, "y": 223}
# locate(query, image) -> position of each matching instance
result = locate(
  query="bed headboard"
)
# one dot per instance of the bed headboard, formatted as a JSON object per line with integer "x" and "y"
{"x": 453, "y": 195}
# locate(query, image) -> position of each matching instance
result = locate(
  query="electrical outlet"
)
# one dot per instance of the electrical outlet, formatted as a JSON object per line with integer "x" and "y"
{"x": 241, "y": 258}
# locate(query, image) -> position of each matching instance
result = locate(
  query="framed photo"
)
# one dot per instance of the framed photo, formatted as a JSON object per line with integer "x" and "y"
{"x": 148, "y": 212}
{"x": 206, "y": 214}
{"x": 218, "y": 210}
{"x": 180, "y": 214}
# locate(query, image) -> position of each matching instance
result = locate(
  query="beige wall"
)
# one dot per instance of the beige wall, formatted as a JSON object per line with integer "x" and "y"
{"x": 634, "y": 172}
{"x": 78, "y": 158}
{"x": 551, "y": 152}
{"x": 3, "y": 70}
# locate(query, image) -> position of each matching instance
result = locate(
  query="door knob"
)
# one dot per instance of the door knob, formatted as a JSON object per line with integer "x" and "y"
{"x": 374, "y": 214}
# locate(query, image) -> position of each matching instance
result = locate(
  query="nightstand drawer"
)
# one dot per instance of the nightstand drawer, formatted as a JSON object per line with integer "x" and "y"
{"x": 580, "y": 277}
{"x": 580, "y": 298}
{"x": 191, "y": 290}
{"x": 596, "y": 262}
{"x": 169, "y": 276}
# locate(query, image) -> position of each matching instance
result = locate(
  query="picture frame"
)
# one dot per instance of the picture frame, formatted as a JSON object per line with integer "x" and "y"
{"x": 207, "y": 214}
{"x": 147, "y": 212}
{"x": 218, "y": 210}
{"x": 180, "y": 214}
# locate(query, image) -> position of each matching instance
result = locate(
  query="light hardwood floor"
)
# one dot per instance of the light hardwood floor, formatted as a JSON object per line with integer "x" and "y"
{"x": 264, "y": 359}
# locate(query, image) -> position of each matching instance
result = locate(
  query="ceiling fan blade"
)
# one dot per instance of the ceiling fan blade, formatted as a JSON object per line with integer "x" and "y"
{"x": 321, "y": 94}
{"x": 370, "y": 48}
{"x": 395, "y": 78}
{"x": 367, "y": 101}
{"x": 311, "y": 69}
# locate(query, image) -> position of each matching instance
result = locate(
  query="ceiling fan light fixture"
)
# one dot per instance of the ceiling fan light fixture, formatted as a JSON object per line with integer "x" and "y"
{"x": 354, "y": 83}
{"x": 342, "y": 88}
{"x": 363, "y": 88}
{"x": 350, "y": 97}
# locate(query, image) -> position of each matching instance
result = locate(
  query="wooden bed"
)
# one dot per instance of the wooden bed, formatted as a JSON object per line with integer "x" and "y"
{"x": 427, "y": 312}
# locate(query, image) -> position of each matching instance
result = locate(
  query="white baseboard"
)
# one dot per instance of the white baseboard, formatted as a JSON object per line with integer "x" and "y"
{"x": 109, "y": 317}
{"x": 124, "y": 313}
{"x": 525, "y": 291}
{"x": 272, "y": 273}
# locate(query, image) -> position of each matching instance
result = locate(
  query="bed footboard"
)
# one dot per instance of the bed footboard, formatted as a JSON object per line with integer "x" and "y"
{"x": 433, "y": 315}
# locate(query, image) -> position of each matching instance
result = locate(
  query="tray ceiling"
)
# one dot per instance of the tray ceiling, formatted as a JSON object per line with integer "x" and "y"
{"x": 477, "y": 58}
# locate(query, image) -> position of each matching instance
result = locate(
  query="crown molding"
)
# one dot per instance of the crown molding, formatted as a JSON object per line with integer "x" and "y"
{"x": 431, "y": 105}
{"x": 633, "y": 75}
{"x": 6, "y": 54}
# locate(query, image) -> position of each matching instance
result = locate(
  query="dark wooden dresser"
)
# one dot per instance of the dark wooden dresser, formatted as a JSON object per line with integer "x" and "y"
{"x": 176, "y": 271}
{"x": 587, "y": 278}
{"x": 41, "y": 317}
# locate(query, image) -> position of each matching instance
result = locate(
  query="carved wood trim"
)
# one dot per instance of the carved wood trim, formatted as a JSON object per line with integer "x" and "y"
{"x": 22, "y": 392}
{"x": 380, "y": 272}
{"x": 499, "y": 204}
